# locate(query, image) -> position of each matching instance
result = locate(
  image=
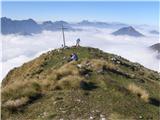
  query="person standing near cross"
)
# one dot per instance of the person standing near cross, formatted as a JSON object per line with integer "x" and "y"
{"x": 77, "y": 42}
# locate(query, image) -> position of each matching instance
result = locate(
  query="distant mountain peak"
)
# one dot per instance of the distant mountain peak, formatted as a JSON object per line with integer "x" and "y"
{"x": 128, "y": 31}
{"x": 85, "y": 21}
{"x": 30, "y": 19}
{"x": 130, "y": 28}
{"x": 9, "y": 26}
{"x": 29, "y": 26}
{"x": 47, "y": 23}
{"x": 156, "y": 47}
{"x": 5, "y": 19}
{"x": 60, "y": 22}
{"x": 154, "y": 32}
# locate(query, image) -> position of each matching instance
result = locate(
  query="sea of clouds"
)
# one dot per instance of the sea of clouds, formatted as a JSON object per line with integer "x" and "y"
{"x": 18, "y": 49}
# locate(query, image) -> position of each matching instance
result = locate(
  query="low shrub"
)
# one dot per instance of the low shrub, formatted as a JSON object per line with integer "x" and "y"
{"x": 143, "y": 94}
{"x": 20, "y": 89}
{"x": 69, "y": 82}
{"x": 67, "y": 69}
{"x": 14, "y": 104}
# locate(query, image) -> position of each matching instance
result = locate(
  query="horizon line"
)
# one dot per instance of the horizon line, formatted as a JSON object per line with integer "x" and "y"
{"x": 110, "y": 22}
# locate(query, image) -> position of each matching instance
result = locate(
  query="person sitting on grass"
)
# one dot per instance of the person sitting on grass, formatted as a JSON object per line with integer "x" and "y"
{"x": 73, "y": 57}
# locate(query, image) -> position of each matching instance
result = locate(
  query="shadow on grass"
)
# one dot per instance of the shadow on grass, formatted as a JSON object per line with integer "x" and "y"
{"x": 154, "y": 102}
{"x": 87, "y": 85}
{"x": 34, "y": 98}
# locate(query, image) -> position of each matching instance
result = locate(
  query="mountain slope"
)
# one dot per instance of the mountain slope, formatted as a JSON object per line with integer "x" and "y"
{"x": 98, "y": 85}
{"x": 29, "y": 26}
{"x": 156, "y": 47}
{"x": 154, "y": 32}
{"x": 19, "y": 26}
{"x": 101, "y": 24}
{"x": 57, "y": 25}
{"x": 128, "y": 31}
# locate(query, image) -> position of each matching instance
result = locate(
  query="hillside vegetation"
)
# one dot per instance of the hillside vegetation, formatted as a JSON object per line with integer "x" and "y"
{"x": 97, "y": 86}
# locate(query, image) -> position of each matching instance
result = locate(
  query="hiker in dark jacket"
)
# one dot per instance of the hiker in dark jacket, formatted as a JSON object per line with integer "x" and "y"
{"x": 77, "y": 42}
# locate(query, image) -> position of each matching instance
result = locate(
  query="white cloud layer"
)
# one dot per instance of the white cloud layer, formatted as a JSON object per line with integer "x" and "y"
{"x": 18, "y": 49}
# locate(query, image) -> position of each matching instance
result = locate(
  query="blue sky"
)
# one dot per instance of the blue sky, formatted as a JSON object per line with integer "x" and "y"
{"x": 125, "y": 12}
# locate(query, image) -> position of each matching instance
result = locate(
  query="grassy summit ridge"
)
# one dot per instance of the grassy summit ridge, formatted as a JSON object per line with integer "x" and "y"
{"x": 97, "y": 85}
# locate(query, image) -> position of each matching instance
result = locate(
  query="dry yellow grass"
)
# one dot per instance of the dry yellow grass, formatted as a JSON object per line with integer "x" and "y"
{"x": 17, "y": 85}
{"x": 46, "y": 84}
{"x": 22, "y": 72}
{"x": 70, "y": 81}
{"x": 14, "y": 86}
{"x": 143, "y": 94}
{"x": 67, "y": 69}
{"x": 13, "y": 104}
{"x": 28, "y": 88}
{"x": 98, "y": 63}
